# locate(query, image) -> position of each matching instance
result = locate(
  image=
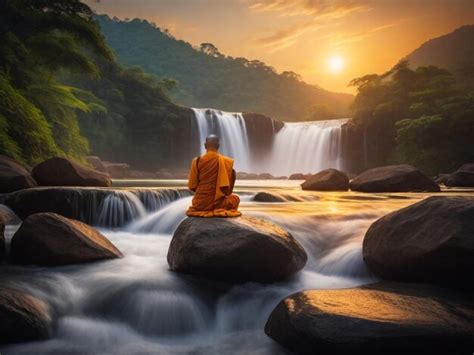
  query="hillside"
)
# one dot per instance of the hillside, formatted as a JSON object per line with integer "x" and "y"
{"x": 207, "y": 78}
{"x": 453, "y": 51}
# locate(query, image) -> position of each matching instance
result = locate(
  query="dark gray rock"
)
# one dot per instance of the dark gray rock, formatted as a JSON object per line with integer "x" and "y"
{"x": 463, "y": 177}
{"x": 393, "y": 178}
{"x": 23, "y": 317}
{"x": 327, "y": 180}
{"x": 429, "y": 241}
{"x": 14, "y": 176}
{"x": 64, "y": 172}
{"x": 383, "y": 318}
{"x": 49, "y": 239}
{"x": 235, "y": 250}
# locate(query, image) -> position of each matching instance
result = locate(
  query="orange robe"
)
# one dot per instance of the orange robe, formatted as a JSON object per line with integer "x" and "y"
{"x": 210, "y": 179}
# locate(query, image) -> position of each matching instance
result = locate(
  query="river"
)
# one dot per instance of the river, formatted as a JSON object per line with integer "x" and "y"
{"x": 135, "y": 305}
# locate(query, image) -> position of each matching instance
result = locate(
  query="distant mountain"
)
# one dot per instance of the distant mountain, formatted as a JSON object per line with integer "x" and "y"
{"x": 453, "y": 51}
{"x": 207, "y": 78}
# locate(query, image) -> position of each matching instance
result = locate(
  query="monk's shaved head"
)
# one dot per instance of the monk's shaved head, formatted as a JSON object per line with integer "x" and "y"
{"x": 212, "y": 142}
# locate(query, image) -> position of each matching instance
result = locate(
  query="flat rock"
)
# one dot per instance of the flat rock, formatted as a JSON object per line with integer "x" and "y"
{"x": 383, "y": 318}
{"x": 235, "y": 250}
{"x": 14, "y": 176}
{"x": 65, "y": 172}
{"x": 49, "y": 239}
{"x": 429, "y": 241}
{"x": 23, "y": 317}
{"x": 67, "y": 201}
{"x": 327, "y": 180}
{"x": 393, "y": 178}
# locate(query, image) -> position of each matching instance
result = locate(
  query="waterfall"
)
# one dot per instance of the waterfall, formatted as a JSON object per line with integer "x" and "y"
{"x": 307, "y": 147}
{"x": 110, "y": 208}
{"x": 302, "y": 147}
{"x": 230, "y": 127}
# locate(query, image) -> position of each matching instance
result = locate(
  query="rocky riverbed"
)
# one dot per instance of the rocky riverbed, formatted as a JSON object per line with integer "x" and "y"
{"x": 136, "y": 304}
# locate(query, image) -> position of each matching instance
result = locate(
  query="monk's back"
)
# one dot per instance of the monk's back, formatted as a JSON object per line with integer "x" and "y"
{"x": 208, "y": 167}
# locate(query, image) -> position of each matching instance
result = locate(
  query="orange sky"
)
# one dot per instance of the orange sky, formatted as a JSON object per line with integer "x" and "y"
{"x": 302, "y": 35}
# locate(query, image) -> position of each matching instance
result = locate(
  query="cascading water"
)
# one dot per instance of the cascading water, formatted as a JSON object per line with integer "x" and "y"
{"x": 136, "y": 305}
{"x": 307, "y": 147}
{"x": 230, "y": 127}
{"x": 303, "y": 147}
{"x": 115, "y": 208}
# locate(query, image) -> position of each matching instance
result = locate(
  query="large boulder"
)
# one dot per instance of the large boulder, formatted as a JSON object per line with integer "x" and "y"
{"x": 327, "y": 180}
{"x": 49, "y": 239}
{"x": 14, "y": 176}
{"x": 393, "y": 178}
{"x": 235, "y": 249}
{"x": 23, "y": 317}
{"x": 463, "y": 177}
{"x": 64, "y": 172}
{"x": 432, "y": 241}
{"x": 383, "y": 318}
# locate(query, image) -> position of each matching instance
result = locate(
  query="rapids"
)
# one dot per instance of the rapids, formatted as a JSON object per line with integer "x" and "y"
{"x": 135, "y": 305}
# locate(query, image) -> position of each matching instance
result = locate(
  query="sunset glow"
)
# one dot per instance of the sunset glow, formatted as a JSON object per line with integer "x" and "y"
{"x": 336, "y": 64}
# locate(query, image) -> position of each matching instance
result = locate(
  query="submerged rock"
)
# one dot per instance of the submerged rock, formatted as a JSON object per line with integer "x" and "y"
{"x": 432, "y": 241}
{"x": 23, "y": 317}
{"x": 49, "y": 239}
{"x": 96, "y": 163}
{"x": 264, "y": 196}
{"x": 14, "y": 176}
{"x": 64, "y": 172}
{"x": 327, "y": 180}
{"x": 383, "y": 318}
{"x": 235, "y": 249}
{"x": 117, "y": 170}
{"x": 463, "y": 177}
{"x": 393, "y": 178}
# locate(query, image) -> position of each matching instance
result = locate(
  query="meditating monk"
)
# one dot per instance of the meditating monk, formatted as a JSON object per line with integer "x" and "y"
{"x": 212, "y": 178}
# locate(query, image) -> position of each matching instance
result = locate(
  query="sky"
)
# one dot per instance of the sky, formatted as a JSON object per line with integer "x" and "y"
{"x": 327, "y": 42}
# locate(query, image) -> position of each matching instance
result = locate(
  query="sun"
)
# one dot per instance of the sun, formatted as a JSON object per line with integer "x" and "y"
{"x": 336, "y": 64}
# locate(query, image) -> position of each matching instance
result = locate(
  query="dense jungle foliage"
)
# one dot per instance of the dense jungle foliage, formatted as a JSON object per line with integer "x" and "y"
{"x": 423, "y": 117}
{"x": 60, "y": 83}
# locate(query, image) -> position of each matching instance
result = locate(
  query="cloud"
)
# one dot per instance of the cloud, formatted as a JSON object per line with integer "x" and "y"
{"x": 330, "y": 9}
{"x": 341, "y": 38}
{"x": 314, "y": 13}
{"x": 286, "y": 37}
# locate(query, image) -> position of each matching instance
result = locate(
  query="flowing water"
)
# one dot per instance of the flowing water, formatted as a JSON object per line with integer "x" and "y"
{"x": 303, "y": 147}
{"x": 135, "y": 305}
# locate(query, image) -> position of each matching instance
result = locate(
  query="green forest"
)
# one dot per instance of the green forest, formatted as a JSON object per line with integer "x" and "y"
{"x": 204, "y": 77}
{"x": 62, "y": 93}
{"x": 423, "y": 117}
